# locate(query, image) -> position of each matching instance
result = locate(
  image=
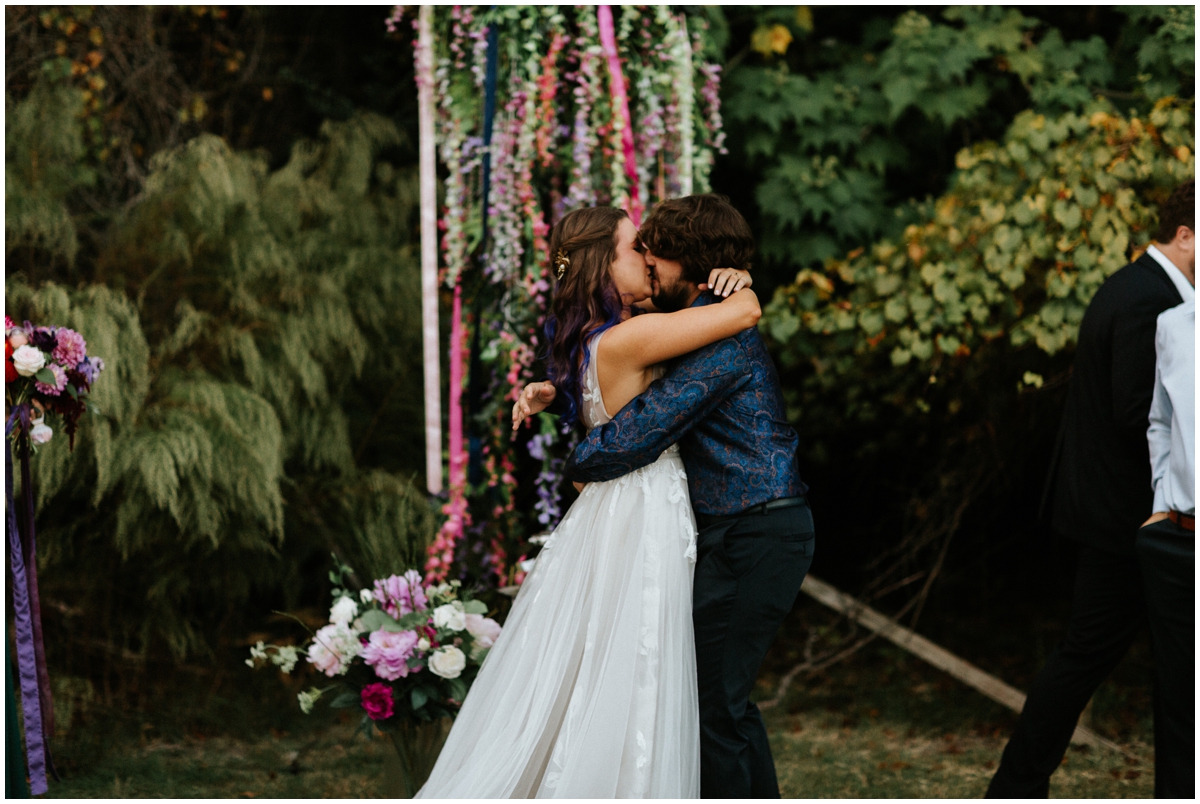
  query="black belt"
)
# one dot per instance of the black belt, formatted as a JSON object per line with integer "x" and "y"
{"x": 761, "y": 508}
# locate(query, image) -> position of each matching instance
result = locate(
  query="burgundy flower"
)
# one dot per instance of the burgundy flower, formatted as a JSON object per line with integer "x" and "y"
{"x": 377, "y": 701}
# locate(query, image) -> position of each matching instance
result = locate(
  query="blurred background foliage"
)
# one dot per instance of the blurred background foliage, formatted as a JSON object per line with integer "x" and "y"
{"x": 223, "y": 200}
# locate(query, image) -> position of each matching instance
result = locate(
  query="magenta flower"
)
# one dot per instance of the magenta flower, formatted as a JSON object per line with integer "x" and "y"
{"x": 400, "y": 595}
{"x": 70, "y": 348}
{"x": 388, "y": 652}
{"x": 60, "y": 381}
{"x": 377, "y": 701}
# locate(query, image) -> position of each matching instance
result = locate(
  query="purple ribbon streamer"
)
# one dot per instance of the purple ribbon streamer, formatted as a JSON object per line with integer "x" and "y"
{"x": 27, "y": 664}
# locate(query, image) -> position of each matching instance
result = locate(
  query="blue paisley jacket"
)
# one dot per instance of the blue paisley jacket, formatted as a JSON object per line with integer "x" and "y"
{"x": 723, "y": 405}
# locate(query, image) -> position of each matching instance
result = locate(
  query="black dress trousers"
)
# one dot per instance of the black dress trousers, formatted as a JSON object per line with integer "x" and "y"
{"x": 1167, "y": 555}
{"x": 748, "y": 572}
{"x": 1107, "y": 610}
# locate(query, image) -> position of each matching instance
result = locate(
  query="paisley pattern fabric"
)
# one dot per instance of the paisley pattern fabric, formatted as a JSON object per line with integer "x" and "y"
{"x": 723, "y": 406}
{"x": 590, "y": 690}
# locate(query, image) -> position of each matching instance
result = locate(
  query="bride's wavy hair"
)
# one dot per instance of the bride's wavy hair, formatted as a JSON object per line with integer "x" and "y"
{"x": 586, "y": 300}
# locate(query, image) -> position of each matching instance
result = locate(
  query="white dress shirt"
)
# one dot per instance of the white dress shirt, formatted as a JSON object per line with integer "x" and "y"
{"x": 1186, "y": 291}
{"x": 1172, "y": 432}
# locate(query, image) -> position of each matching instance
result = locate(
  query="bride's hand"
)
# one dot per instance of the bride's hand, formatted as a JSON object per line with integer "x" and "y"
{"x": 724, "y": 281}
{"x": 536, "y": 397}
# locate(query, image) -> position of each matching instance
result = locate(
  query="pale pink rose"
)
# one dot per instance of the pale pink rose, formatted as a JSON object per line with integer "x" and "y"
{"x": 388, "y": 652}
{"x": 28, "y": 360}
{"x": 484, "y": 629}
{"x": 17, "y": 338}
{"x": 332, "y": 650}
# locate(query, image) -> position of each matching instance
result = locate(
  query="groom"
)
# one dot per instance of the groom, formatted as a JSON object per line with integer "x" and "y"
{"x": 723, "y": 405}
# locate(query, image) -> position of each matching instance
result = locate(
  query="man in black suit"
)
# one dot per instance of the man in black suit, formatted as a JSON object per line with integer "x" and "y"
{"x": 1102, "y": 496}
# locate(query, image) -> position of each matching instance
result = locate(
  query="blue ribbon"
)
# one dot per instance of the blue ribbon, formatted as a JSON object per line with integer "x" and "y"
{"x": 475, "y": 391}
{"x": 27, "y": 661}
{"x": 489, "y": 116}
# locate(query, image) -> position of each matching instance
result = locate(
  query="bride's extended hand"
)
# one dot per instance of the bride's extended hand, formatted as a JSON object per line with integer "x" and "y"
{"x": 724, "y": 281}
{"x": 536, "y": 397}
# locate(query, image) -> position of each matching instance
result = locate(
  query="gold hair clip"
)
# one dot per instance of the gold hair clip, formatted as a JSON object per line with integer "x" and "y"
{"x": 561, "y": 262}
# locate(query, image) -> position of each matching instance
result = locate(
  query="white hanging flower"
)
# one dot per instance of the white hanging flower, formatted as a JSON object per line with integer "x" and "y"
{"x": 344, "y": 611}
{"x": 307, "y": 699}
{"x": 366, "y": 595}
{"x": 286, "y": 657}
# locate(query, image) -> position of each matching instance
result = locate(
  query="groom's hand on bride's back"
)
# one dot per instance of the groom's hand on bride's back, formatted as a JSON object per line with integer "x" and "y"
{"x": 536, "y": 397}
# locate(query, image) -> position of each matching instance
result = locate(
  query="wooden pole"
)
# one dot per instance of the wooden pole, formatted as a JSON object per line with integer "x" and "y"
{"x": 935, "y": 655}
{"x": 429, "y": 277}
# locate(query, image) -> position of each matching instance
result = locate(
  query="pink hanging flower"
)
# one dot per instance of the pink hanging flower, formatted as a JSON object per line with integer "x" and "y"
{"x": 60, "y": 381}
{"x": 377, "y": 701}
{"x": 70, "y": 348}
{"x": 388, "y": 652}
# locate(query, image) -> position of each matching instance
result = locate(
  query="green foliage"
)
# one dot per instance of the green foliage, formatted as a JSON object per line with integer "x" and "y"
{"x": 242, "y": 313}
{"x": 42, "y": 165}
{"x": 1013, "y": 253}
{"x": 830, "y": 134}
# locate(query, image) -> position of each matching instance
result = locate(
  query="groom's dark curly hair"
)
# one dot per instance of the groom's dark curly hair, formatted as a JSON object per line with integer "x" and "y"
{"x": 700, "y": 232}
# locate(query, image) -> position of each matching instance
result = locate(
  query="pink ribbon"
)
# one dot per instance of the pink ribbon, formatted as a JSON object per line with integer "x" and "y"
{"x": 441, "y": 552}
{"x": 620, "y": 101}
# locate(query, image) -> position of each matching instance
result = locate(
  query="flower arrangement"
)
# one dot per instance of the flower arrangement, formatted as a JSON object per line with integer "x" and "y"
{"x": 558, "y": 141}
{"x": 401, "y": 651}
{"x": 50, "y": 369}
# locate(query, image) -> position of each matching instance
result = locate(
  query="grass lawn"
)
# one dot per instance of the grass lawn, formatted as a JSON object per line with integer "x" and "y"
{"x": 887, "y": 726}
{"x": 882, "y": 724}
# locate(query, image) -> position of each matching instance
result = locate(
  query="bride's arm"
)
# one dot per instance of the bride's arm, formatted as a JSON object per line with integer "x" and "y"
{"x": 645, "y": 340}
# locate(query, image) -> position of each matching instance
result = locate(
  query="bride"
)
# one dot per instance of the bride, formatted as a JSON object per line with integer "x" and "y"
{"x": 590, "y": 690}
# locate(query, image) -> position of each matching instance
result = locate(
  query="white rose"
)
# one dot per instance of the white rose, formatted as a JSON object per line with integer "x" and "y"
{"x": 40, "y": 433}
{"x": 447, "y": 662}
{"x": 28, "y": 360}
{"x": 450, "y": 616}
{"x": 344, "y": 611}
{"x": 422, "y": 644}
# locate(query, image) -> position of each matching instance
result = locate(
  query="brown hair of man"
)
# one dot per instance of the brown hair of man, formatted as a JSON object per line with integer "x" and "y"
{"x": 1179, "y": 210}
{"x": 700, "y": 232}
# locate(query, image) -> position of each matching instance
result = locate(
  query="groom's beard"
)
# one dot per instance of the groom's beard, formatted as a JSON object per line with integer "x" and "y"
{"x": 673, "y": 298}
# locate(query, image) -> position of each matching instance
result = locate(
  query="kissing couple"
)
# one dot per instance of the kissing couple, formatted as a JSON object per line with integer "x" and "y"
{"x": 626, "y": 664}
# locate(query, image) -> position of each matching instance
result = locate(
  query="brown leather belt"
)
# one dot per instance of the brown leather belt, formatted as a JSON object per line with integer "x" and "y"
{"x": 1185, "y": 521}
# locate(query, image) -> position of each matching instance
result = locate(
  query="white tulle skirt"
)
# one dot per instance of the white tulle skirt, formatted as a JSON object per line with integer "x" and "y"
{"x": 590, "y": 690}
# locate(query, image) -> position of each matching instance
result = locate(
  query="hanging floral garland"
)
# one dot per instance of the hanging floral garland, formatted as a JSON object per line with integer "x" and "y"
{"x": 594, "y": 106}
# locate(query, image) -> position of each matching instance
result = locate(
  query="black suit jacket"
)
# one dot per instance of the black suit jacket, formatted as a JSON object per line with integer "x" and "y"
{"x": 1101, "y": 477}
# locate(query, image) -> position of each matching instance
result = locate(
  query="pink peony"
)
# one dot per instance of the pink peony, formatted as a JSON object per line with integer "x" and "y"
{"x": 400, "y": 595}
{"x": 70, "y": 348}
{"x": 377, "y": 701}
{"x": 484, "y": 629}
{"x": 388, "y": 652}
{"x": 60, "y": 381}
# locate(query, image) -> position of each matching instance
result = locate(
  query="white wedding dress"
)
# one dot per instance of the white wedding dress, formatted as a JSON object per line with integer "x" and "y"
{"x": 590, "y": 690}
